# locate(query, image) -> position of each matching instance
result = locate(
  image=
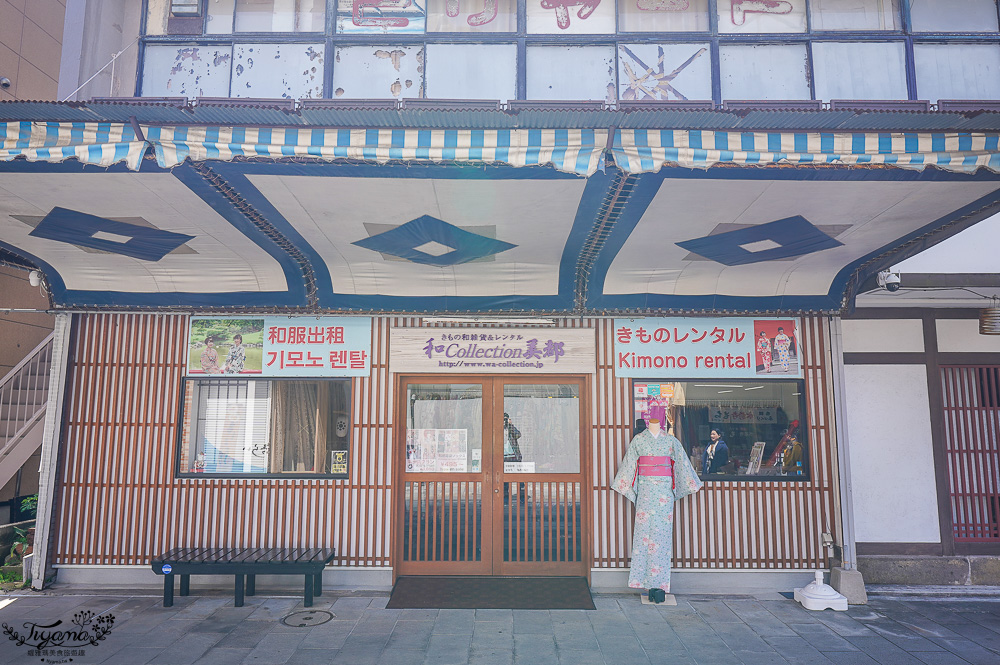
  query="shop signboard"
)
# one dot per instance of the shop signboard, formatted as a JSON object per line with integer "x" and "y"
{"x": 279, "y": 346}
{"x": 707, "y": 348}
{"x": 492, "y": 350}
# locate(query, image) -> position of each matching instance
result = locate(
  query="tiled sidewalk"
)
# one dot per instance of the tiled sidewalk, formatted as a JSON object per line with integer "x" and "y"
{"x": 701, "y": 630}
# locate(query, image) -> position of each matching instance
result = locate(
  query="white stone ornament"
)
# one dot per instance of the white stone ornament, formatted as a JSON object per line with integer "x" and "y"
{"x": 342, "y": 426}
{"x": 819, "y": 596}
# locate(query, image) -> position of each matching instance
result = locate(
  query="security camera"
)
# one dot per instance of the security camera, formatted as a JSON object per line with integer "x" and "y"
{"x": 5, "y": 82}
{"x": 888, "y": 281}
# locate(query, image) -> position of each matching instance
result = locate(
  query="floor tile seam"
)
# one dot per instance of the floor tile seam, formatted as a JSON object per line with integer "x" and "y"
{"x": 985, "y": 648}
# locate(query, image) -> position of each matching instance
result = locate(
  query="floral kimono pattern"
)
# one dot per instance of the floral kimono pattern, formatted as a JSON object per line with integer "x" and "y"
{"x": 654, "y": 496}
{"x": 781, "y": 344}
{"x": 210, "y": 361}
{"x": 764, "y": 351}
{"x": 235, "y": 359}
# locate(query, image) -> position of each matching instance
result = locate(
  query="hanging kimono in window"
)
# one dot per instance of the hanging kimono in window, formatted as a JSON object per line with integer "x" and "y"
{"x": 655, "y": 472}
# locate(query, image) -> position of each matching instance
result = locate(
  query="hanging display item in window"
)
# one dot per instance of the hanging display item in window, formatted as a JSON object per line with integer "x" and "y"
{"x": 653, "y": 475}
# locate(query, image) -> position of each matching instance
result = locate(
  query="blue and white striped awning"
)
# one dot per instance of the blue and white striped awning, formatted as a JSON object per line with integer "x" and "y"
{"x": 644, "y": 151}
{"x": 98, "y": 143}
{"x": 578, "y": 151}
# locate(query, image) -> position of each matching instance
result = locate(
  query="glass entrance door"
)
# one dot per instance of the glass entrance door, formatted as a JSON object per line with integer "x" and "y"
{"x": 491, "y": 477}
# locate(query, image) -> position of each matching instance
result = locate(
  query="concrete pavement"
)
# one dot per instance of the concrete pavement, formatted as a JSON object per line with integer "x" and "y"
{"x": 764, "y": 629}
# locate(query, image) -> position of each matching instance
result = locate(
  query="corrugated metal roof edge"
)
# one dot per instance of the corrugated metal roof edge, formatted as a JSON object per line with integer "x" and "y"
{"x": 479, "y": 115}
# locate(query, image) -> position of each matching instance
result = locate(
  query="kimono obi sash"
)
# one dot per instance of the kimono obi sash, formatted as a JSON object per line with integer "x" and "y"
{"x": 654, "y": 465}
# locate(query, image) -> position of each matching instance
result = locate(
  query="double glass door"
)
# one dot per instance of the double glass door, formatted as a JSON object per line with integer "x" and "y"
{"x": 492, "y": 477}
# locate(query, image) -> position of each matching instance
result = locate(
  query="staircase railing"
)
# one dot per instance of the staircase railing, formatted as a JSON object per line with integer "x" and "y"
{"x": 23, "y": 395}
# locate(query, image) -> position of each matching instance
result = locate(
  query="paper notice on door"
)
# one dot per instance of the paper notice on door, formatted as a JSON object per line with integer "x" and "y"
{"x": 421, "y": 466}
{"x": 518, "y": 467}
{"x": 452, "y": 450}
{"x": 437, "y": 450}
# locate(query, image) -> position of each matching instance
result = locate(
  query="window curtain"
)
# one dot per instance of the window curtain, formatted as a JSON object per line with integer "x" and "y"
{"x": 294, "y": 425}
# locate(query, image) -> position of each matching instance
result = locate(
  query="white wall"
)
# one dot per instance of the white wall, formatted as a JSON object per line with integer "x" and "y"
{"x": 883, "y": 335}
{"x": 962, "y": 336}
{"x": 889, "y": 429}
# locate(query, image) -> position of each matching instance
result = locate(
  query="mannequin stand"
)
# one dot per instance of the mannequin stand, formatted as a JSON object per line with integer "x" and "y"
{"x": 669, "y": 602}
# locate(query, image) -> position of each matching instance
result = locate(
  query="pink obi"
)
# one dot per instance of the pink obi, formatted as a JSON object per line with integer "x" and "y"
{"x": 654, "y": 465}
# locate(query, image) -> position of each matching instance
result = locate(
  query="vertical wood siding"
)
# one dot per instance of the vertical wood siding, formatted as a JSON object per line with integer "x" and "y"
{"x": 121, "y": 502}
{"x": 734, "y": 524}
{"x": 972, "y": 422}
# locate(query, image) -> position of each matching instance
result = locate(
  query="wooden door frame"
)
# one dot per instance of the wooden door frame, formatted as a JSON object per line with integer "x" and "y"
{"x": 400, "y": 380}
{"x": 547, "y": 567}
{"x": 399, "y": 458}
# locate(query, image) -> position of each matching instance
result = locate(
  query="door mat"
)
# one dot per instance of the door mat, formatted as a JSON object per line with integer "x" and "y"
{"x": 491, "y": 593}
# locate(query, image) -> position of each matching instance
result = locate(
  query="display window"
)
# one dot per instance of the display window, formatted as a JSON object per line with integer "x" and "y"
{"x": 732, "y": 430}
{"x": 265, "y": 427}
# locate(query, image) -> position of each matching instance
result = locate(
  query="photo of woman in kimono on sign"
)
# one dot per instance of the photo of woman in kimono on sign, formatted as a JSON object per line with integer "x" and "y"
{"x": 210, "y": 358}
{"x": 782, "y": 344}
{"x": 764, "y": 350}
{"x": 654, "y": 473}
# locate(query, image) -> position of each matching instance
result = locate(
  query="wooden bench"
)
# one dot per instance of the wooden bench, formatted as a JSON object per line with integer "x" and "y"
{"x": 243, "y": 562}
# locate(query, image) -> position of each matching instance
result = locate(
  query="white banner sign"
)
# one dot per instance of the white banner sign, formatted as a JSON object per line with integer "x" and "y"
{"x": 276, "y": 346}
{"x": 493, "y": 350}
{"x": 701, "y": 348}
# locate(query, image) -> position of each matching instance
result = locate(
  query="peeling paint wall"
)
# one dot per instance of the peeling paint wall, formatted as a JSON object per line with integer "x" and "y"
{"x": 571, "y": 73}
{"x": 187, "y": 71}
{"x": 378, "y": 72}
{"x": 641, "y": 54}
{"x": 649, "y": 72}
{"x": 288, "y": 71}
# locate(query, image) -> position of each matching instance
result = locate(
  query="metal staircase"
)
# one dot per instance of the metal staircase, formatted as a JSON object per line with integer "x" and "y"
{"x": 24, "y": 393}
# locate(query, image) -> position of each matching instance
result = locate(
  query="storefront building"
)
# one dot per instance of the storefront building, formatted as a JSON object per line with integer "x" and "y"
{"x": 421, "y": 331}
{"x": 423, "y": 486}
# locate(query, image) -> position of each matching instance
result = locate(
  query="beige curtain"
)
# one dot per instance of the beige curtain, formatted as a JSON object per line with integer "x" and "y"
{"x": 293, "y": 426}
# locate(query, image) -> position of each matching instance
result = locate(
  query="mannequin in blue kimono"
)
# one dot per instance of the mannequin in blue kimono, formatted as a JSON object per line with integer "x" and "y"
{"x": 655, "y": 472}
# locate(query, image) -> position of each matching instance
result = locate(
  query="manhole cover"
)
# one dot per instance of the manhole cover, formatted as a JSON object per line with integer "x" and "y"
{"x": 307, "y": 618}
